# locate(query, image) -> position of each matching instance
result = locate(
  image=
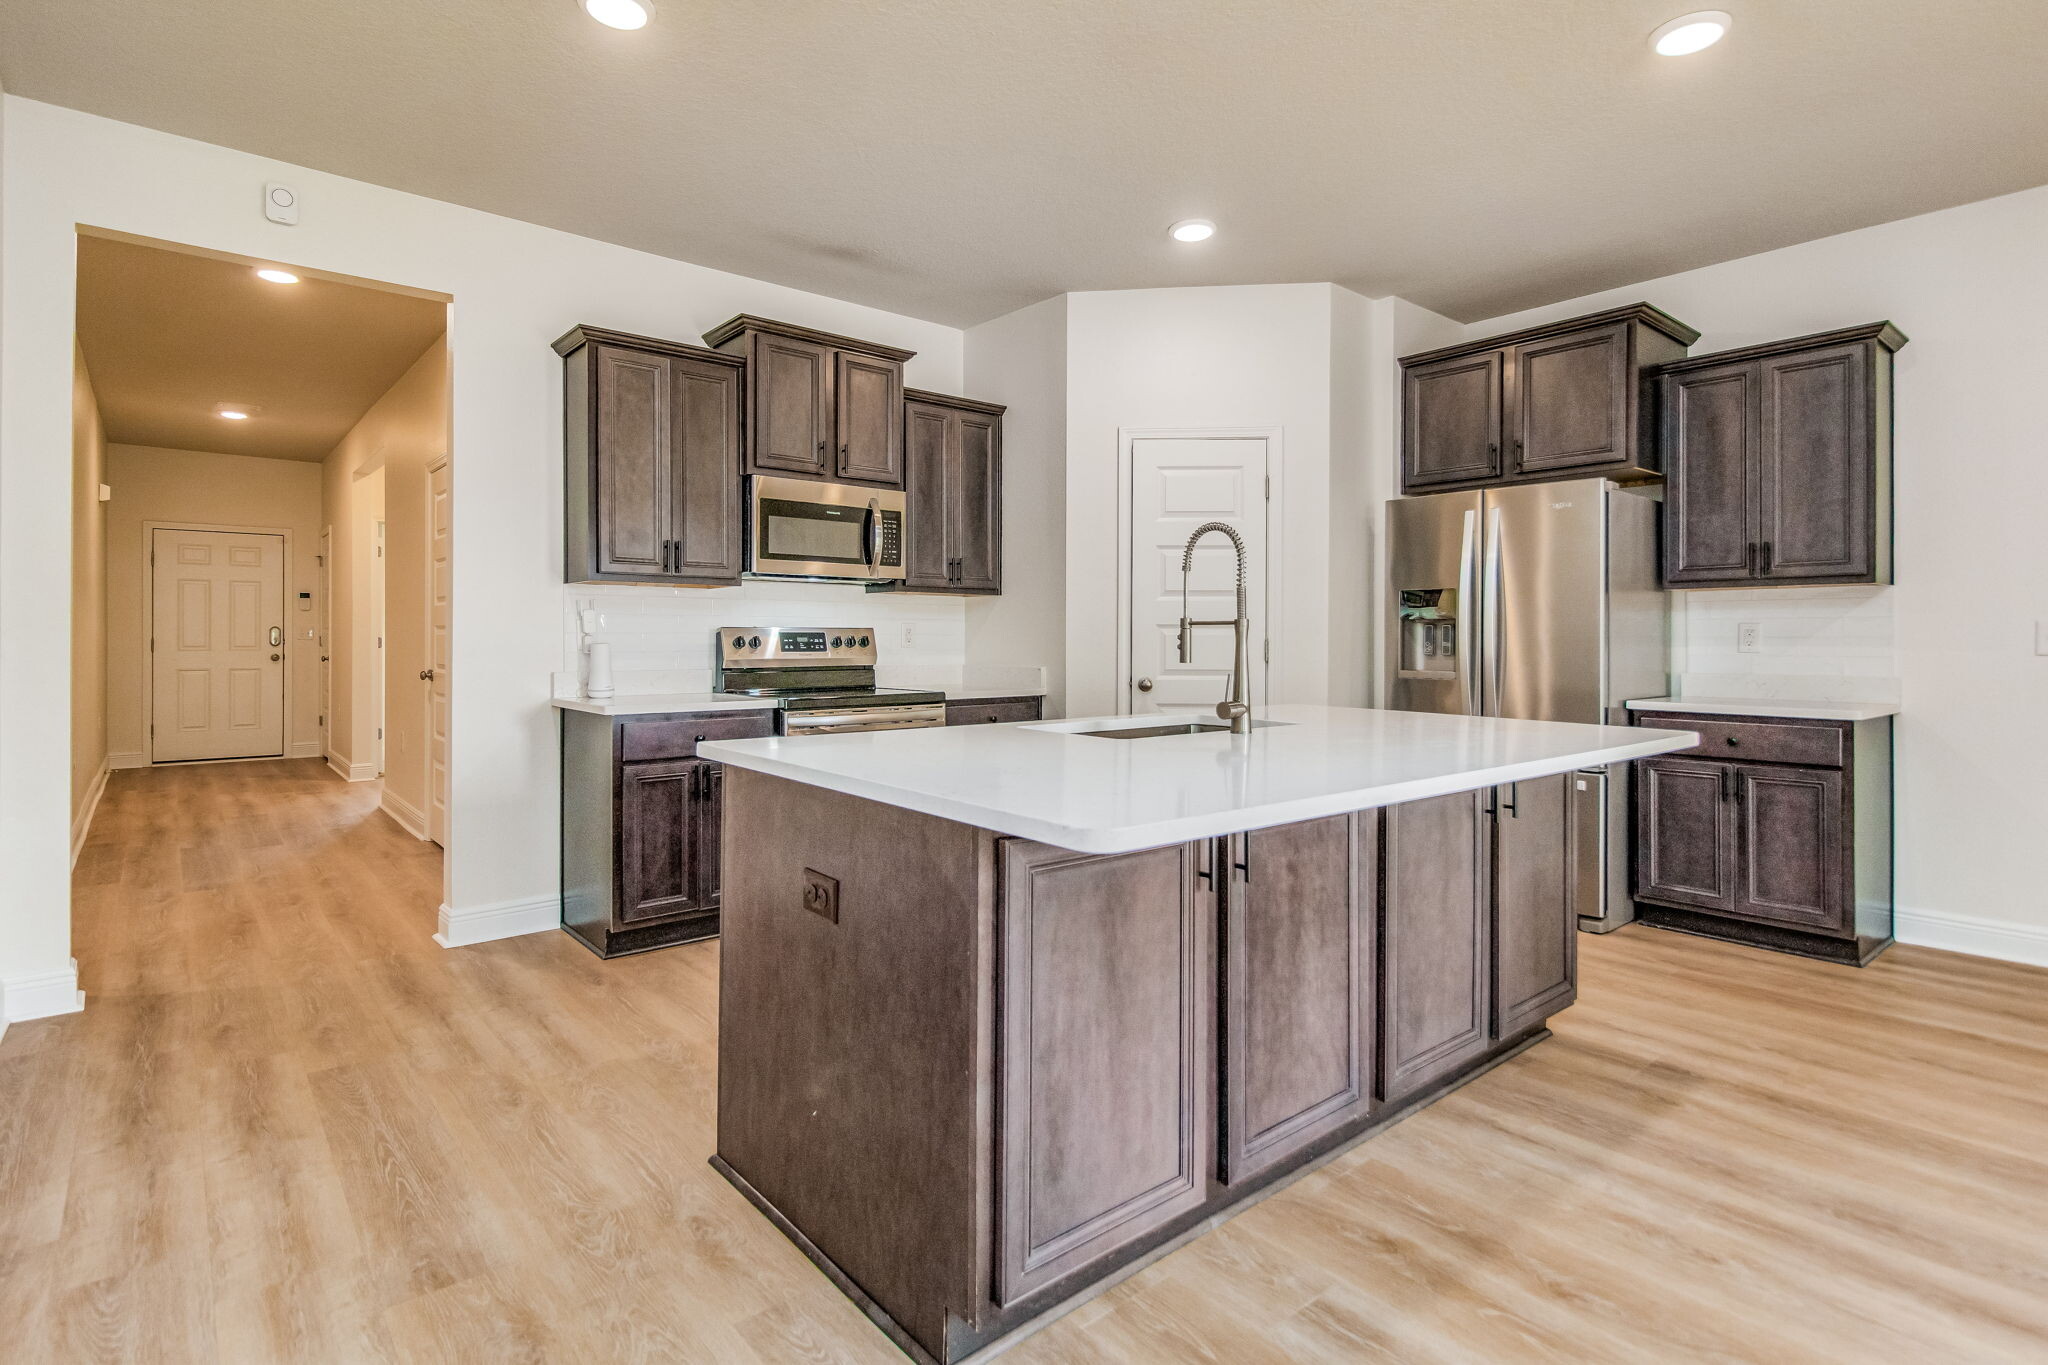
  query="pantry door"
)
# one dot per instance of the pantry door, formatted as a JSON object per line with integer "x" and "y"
{"x": 1176, "y": 484}
{"x": 217, "y": 645}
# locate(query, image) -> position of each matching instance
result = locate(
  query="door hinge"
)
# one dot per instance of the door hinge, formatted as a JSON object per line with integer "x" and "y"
{"x": 1269, "y": 651}
{"x": 380, "y": 732}
{"x": 1269, "y": 488}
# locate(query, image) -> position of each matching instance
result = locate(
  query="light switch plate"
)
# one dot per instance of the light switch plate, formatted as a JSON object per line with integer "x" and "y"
{"x": 1749, "y": 638}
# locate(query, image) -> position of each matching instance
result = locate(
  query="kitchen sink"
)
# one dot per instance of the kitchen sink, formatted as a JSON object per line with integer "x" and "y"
{"x": 1184, "y": 727}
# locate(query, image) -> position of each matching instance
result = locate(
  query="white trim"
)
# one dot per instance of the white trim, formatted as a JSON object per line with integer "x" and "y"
{"x": 1126, "y": 504}
{"x": 149, "y": 530}
{"x": 40, "y": 995}
{"x": 81, "y": 823}
{"x": 304, "y": 748}
{"x": 352, "y": 772}
{"x": 130, "y": 759}
{"x": 2002, "y": 939}
{"x": 506, "y": 919}
{"x": 404, "y": 813}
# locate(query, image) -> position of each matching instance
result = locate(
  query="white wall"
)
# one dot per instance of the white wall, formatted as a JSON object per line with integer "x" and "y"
{"x": 203, "y": 488}
{"x": 1021, "y": 360}
{"x": 1969, "y": 286}
{"x": 515, "y": 288}
{"x": 1813, "y": 644}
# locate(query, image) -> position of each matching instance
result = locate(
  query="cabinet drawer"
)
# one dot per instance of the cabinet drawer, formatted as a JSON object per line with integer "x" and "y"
{"x": 677, "y": 736}
{"x": 1001, "y": 712}
{"x": 1815, "y": 746}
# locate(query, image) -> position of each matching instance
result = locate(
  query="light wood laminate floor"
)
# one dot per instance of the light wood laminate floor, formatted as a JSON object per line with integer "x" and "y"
{"x": 288, "y": 1127}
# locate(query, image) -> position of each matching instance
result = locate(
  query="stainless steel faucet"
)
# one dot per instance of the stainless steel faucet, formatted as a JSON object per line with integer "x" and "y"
{"x": 1233, "y": 708}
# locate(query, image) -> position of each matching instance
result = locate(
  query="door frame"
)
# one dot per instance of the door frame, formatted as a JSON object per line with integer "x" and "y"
{"x": 434, "y": 467}
{"x": 149, "y": 530}
{"x": 1126, "y": 506}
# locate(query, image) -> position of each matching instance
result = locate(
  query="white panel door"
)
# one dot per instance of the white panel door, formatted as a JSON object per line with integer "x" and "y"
{"x": 1177, "y": 483}
{"x": 440, "y": 566}
{"x": 217, "y": 645}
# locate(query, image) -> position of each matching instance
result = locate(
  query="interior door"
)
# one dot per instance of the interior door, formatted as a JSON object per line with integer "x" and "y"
{"x": 440, "y": 577}
{"x": 1178, "y": 483}
{"x": 1543, "y": 571}
{"x": 217, "y": 642}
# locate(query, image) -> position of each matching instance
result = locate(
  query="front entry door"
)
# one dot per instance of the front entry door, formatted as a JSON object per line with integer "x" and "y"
{"x": 217, "y": 641}
{"x": 1177, "y": 483}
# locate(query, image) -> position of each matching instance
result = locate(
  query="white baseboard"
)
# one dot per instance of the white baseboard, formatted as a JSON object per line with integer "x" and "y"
{"x": 304, "y": 748}
{"x": 128, "y": 760}
{"x": 405, "y": 814}
{"x": 506, "y": 919}
{"x": 351, "y": 772}
{"x": 2001, "y": 939}
{"x": 41, "y": 994}
{"x": 81, "y": 823}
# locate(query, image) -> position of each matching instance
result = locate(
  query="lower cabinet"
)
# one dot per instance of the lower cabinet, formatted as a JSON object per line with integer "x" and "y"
{"x": 1299, "y": 953}
{"x": 995, "y": 711}
{"x": 1773, "y": 832}
{"x": 1535, "y": 923}
{"x": 641, "y": 825}
{"x": 1107, "y": 1075}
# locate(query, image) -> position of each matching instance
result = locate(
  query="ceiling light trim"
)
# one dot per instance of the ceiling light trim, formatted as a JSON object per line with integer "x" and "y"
{"x": 1192, "y": 230}
{"x": 625, "y": 15}
{"x": 276, "y": 274}
{"x": 1690, "y": 33}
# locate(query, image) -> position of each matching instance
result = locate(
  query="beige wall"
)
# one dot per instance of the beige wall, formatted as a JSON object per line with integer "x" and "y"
{"x": 380, "y": 470}
{"x": 203, "y": 489}
{"x": 88, "y": 591}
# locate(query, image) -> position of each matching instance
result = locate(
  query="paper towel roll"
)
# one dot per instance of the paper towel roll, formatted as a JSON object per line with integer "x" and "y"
{"x": 599, "y": 685}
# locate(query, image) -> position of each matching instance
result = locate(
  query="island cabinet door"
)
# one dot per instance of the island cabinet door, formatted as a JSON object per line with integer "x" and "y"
{"x": 1535, "y": 931}
{"x": 1105, "y": 1057}
{"x": 1298, "y": 987}
{"x": 1434, "y": 934}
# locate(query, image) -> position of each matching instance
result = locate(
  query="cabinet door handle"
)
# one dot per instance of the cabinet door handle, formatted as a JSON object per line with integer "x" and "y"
{"x": 1767, "y": 559}
{"x": 1728, "y": 784}
{"x": 1513, "y": 805}
{"x": 1244, "y": 867}
{"x": 821, "y": 450}
{"x": 844, "y": 448}
{"x": 1749, "y": 560}
{"x": 1205, "y": 859}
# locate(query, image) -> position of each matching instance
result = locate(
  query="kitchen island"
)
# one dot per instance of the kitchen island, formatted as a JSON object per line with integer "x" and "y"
{"x": 1006, "y": 1010}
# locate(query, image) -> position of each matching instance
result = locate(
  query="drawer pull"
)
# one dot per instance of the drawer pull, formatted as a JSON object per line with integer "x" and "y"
{"x": 1732, "y": 741}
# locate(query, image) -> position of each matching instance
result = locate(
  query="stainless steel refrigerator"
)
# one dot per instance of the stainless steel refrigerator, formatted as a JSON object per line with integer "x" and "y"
{"x": 1541, "y": 602}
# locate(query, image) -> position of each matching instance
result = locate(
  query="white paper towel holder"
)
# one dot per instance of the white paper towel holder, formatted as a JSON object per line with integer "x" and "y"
{"x": 598, "y": 685}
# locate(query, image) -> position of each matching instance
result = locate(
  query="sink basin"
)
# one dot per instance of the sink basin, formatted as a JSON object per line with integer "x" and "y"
{"x": 1181, "y": 727}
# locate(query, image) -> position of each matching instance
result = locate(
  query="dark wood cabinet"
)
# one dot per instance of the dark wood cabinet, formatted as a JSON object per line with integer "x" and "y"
{"x": 1773, "y": 831}
{"x": 819, "y": 406}
{"x": 1779, "y": 462}
{"x": 954, "y": 492}
{"x": 1535, "y": 923}
{"x": 1434, "y": 954}
{"x": 1563, "y": 399}
{"x": 1299, "y": 987}
{"x": 651, "y": 437}
{"x": 995, "y": 711}
{"x": 641, "y": 826}
{"x": 1105, "y": 1057}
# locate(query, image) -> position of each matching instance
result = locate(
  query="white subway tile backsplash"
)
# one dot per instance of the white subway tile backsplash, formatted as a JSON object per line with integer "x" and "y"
{"x": 1817, "y": 644}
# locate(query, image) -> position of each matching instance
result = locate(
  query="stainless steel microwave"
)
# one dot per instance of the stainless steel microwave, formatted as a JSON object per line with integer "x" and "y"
{"x": 801, "y": 528}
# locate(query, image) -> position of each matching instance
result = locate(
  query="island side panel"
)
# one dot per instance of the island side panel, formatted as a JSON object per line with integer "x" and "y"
{"x": 850, "y": 1052}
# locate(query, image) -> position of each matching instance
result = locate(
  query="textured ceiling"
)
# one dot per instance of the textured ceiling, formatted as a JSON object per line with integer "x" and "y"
{"x": 954, "y": 159}
{"x": 168, "y": 335}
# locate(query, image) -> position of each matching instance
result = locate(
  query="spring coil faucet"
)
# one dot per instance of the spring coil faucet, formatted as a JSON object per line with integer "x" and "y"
{"x": 1233, "y": 708}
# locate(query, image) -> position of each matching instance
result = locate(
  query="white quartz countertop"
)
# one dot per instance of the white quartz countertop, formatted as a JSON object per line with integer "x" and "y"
{"x": 1769, "y": 706}
{"x": 656, "y": 703}
{"x": 1039, "y": 780}
{"x": 991, "y": 693}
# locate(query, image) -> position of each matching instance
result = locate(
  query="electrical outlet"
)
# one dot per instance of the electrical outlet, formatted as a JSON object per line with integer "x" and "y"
{"x": 1749, "y": 638}
{"x": 909, "y": 635}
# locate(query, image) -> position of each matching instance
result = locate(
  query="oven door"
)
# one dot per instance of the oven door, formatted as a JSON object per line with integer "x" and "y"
{"x": 801, "y": 528}
{"x": 857, "y": 719}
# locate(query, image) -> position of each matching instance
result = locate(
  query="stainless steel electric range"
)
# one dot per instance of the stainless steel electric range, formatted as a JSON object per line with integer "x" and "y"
{"x": 822, "y": 680}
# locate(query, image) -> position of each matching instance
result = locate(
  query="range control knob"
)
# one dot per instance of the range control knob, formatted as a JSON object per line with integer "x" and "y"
{"x": 753, "y": 642}
{"x": 837, "y": 642}
{"x": 864, "y": 642}
{"x": 739, "y": 642}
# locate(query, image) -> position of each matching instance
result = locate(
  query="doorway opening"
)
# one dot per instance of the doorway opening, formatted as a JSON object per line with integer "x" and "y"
{"x": 261, "y": 472}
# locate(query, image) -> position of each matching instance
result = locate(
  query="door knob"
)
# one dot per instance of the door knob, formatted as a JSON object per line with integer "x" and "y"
{"x": 426, "y": 675}
{"x": 1144, "y": 684}
{"x": 275, "y": 657}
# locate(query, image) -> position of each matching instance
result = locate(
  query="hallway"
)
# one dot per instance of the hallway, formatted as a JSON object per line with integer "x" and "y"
{"x": 289, "y": 1127}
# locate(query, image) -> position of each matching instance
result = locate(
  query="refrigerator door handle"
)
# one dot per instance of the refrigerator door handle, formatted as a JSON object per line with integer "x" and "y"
{"x": 1495, "y": 632}
{"x": 1472, "y": 611}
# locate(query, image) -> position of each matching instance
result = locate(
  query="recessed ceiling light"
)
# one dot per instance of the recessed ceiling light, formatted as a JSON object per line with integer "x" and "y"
{"x": 1192, "y": 230}
{"x": 276, "y": 276}
{"x": 235, "y": 412}
{"x": 233, "y": 416}
{"x": 1690, "y": 33}
{"x": 628, "y": 14}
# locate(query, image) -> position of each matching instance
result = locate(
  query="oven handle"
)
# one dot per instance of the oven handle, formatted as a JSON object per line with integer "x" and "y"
{"x": 867, "y": 718}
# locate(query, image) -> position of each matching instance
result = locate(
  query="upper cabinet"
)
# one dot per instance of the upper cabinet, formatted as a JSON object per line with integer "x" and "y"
{"x": 954, "y": 522}
{"x": 651, "y": 445}
{"x": 1565, "y": 399}
{"x": 1779, "y": 462}
{"x": 819, "y": 406}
